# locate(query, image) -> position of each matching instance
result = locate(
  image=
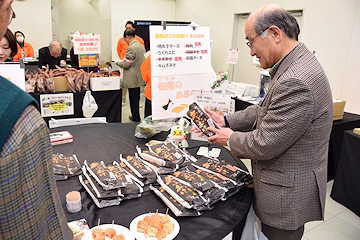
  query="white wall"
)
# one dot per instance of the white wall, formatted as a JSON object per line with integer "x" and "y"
{"x": 86, "y": 16}
{"x": 328, "y": 27}
{"x": 351, "y": 86}
{"x": 33, "y": 18}
{"x": 125, "y": 10}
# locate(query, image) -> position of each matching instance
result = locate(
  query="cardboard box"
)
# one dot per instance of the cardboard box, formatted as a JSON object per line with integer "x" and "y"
{"x": 60, "y": 84}
{"x": 339, "y": 106}
{"x": 357, "y": 131}
{"x": 105, "y": 83}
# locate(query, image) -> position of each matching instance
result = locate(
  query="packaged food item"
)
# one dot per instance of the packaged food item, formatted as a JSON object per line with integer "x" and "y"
{"x": 99, "y": 191}
{"x": 155, "y": 159}
{"x": 106, "y": 176}
{"x": 185, "y": 195}
{"x": 66, "y": 165}
{"x": 168, "y": 151}
{"x": 201, "y": 119}
{"x": 138, "y": 167}
{"x": 100, "y": 203}
{"x": 78, "y": 228}
{"x": 177, "y": 208}
{"x": 197, "y": 181}
{"x": 223, "y": 168}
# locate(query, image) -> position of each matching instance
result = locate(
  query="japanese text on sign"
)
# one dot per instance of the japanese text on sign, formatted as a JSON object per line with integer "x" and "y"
{"x": 84, "y": 44}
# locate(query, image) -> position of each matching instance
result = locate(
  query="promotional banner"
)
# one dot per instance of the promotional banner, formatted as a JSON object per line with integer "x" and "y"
{"x": 84, "y": 44}
{"x": 180, "y": 63}
{"x": 13, "y": 73}
{"x": 57, "y": 104}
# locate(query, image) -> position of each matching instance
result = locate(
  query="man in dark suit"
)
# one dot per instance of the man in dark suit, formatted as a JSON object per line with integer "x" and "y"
{"x": 287, "y": 134}
{"x": 53, "y": 55}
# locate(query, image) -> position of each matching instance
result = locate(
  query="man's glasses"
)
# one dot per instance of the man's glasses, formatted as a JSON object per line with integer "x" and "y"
{"x": 251, "y": 40}
{"x": 12, "y": 14}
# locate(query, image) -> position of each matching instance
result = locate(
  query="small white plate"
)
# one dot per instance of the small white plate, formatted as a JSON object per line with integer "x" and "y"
{"x": 141, "y": 236}
{"x": 118, "y": 228}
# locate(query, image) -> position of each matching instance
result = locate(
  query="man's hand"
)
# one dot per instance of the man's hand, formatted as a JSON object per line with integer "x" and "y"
{"x": 216, "y": 117}
{"x": 221, "y": 135}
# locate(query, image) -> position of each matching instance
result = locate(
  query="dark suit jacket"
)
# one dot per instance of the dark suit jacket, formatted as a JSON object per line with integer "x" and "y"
{"x": 289, "y": 142}
{"x": 46, "y": 58}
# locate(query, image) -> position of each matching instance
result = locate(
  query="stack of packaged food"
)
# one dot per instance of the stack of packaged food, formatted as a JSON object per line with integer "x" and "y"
{"x": 109, "y": 184}
{"x": 185, "y": 184}
{"x": 188, "y": 185}
{"x": 65, "y": 166}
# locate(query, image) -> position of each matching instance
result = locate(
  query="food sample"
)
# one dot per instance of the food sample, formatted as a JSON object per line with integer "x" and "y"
{"x": 110, "y": 232}
{"x": 201, "y": 119}
{"x": 118, "y": 237}
{"x": 97, "y": 232}
{"x": 155, "y": 225}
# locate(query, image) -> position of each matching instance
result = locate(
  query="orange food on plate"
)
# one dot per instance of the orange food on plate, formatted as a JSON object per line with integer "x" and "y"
{"x": 156, "y": 226}
{"x": 97, "y": 232}
{"x": 100, "y": 236}
{"x": 119, "y": 237}
{"x": 110, "y": 232}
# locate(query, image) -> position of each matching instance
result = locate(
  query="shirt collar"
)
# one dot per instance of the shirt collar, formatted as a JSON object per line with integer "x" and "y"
{"x": 277, "y": 65}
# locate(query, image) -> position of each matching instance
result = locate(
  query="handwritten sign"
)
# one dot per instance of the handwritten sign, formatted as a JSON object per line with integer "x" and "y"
{"x": 180, "y": 63}
{"x": 233, "y": 56}
{"x": 180, "y": 48}
{"x": 84, "y": 44}
{"x": 88, "y": 60}
{"x": 57, "y": 104}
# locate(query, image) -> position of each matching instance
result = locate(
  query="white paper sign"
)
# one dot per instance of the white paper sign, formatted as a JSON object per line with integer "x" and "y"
{"x": 218, "y": 102}
{"x": 233, "y": 56}
{"x": 85, "y": 44}
{"x": 180, "y": 50}
{"x": 57, "y": 104}
{"x": 173, "y": 94}
{"x": 180, "y": 63}
{"x": 13, "y": 73}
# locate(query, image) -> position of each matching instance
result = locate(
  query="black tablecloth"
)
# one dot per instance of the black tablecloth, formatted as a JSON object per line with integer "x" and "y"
{"x": 241, "y": 105}
{"x": 109, "y": 103}
{"x": 350, "y": 121}
{"x": 346, "y": 188}
{"x": 105, "y": 142}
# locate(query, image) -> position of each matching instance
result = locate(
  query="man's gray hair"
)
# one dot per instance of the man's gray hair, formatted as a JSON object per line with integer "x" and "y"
{"x": 280, "y": 18}
{"x": 51, "y": 44}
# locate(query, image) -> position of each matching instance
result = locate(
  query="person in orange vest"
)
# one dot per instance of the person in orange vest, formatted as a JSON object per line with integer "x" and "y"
{"x": 122, "y": 47}
{"x": 146, "y": 75}
{"x": 22, "y": 45}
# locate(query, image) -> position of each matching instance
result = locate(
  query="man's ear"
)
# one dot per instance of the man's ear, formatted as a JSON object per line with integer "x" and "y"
{"x": 276, "y": 33}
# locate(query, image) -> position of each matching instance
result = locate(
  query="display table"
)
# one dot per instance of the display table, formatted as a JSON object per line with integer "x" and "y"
{"x": 109, "y": 103}
{"x": 350, "y": 121}
{"x": 346, "y": 188}
{"x": 105, "y": 142}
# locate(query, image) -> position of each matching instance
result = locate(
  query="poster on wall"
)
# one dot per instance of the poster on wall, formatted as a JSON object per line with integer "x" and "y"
{"x": 233, "y": 56}
{"x": 13, "y": 73}
{"x": 217, "y": 102}
{"x": 57, "y": 104}
{"x": 180, "y": 63}
{"x": 85, "y": 44}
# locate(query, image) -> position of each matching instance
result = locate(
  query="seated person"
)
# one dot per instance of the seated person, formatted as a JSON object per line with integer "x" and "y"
{"x": 22, "y": 45}
{"x": 7, "y": 47}
{"x": 53, "y": 55}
